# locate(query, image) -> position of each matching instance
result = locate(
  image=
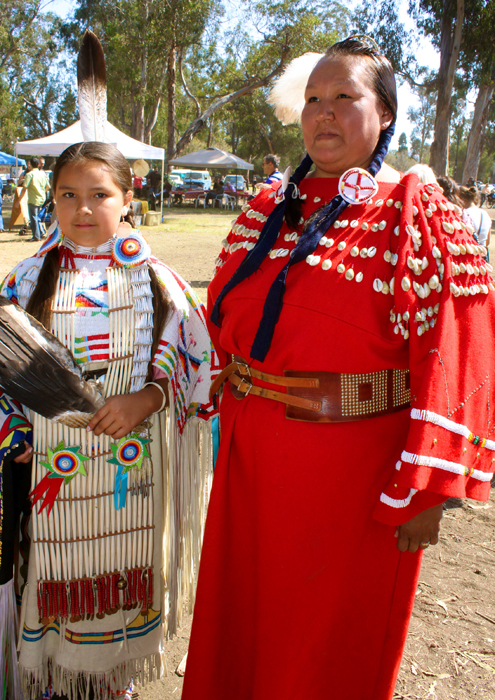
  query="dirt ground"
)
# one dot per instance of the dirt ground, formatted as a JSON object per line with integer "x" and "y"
{"x": 450, "y": 652}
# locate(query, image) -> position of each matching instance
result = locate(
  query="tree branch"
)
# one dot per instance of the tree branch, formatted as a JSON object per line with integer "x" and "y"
{"x": 197, "y": 124}
{"x": 186, "y": 89}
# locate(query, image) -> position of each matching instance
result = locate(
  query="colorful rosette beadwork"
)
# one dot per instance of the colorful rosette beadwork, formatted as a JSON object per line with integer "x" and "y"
{"x": 63, "y": 464}
{"x": 130, "y": 250}
{"x": 128, "y": 454}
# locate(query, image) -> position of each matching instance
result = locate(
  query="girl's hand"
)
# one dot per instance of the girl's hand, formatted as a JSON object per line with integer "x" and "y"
{"x": 421, "y": 531}
{"x": 26, "y": 456}
{"x": 120, "y": 414}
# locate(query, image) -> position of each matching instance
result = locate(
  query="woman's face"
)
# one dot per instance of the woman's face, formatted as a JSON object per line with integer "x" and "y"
{"x": 342, "y": 118}
{"x": 89, "y": 203}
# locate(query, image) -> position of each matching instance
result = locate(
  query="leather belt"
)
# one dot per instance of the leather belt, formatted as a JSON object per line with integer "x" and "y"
{"x": 322, "y": 397}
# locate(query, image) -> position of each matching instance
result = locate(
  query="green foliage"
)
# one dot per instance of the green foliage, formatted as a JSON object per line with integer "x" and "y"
{"x": 137, "y": 36}
{"x": 403, "y": 142}
{"x": 67, "y": 110}
{"x": 400, "y": 160}
{"x": 423, "y": 118}
{"x": 31, "y": 69}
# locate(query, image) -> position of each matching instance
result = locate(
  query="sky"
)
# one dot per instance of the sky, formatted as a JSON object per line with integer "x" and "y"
{"x": 429, "y": 56}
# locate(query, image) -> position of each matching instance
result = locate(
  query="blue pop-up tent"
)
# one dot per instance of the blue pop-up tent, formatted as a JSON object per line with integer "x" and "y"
{"x": 6, "y": 159}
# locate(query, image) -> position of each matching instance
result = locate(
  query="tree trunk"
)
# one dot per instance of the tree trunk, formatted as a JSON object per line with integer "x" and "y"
{"x": 480, "y": 118}
{"x": 210, "y": 132}
{"x": 265, "y": 134}
{"x": 156, "y": 105}
{"x": 171, "y": 115}
{"x": 450, "y": 44}
{"x": 137, "y": 128}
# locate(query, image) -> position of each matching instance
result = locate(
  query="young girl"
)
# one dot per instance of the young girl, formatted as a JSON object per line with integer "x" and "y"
{"x": 114, "y": 549}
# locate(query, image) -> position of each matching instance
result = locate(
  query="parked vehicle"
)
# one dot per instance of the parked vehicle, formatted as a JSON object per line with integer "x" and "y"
{"x": 193, "y": 178}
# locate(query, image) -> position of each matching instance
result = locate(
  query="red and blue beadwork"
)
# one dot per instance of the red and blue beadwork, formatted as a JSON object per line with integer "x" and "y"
{"x": 130, "y": 250}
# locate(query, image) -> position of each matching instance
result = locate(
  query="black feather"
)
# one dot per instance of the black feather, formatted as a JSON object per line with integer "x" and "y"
{"x": 37, "y": 370}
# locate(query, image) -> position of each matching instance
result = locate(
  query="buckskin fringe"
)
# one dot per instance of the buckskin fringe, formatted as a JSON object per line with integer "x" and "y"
{"x": 9, "y": 676}
{"x": 73, "y": 684}
{"x": 187, "y": 494}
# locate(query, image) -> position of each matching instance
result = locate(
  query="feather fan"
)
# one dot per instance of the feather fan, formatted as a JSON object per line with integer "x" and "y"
{"x": 287, "y": 94}
{"x": 39, "y": 372}
{"x": 92, "y": 88}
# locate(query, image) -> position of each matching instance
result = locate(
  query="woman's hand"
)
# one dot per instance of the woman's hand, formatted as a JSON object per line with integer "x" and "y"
{"x": 120, "y": 414}
{"x": 421, "y": 531}
{"x": 26, "y": 456}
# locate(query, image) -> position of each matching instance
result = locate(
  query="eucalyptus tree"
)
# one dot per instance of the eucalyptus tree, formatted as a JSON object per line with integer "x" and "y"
{"x": 29, "y": 87}
{"x": 479, "y": 64}
{"x": 448, "y": 24}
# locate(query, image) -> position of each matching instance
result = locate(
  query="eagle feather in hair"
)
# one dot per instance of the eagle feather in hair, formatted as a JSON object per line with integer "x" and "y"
{"x": 39, "y": 372}
{"x": 287, "y": 94}
{"x": 92, "y": 88}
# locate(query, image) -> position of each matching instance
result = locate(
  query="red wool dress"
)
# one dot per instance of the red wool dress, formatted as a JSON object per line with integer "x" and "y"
{"x": 302, "y": 592}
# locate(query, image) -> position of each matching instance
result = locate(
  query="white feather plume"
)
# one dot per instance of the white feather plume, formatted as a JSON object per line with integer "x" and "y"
{"x": 92, "y": 88}
{"x": 287, "y": 94}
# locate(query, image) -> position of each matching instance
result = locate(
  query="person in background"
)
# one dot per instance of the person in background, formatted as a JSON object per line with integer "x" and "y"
{"x": 217, "y": 189}
{"x": 450, "y": 189}
{"x": 36, "y": 184}
{"x": 270, "y": 168}
{"x": 23, "y": 174}
{"x": 477, "y": 217}
{"x": 153, "y": 178}
{"x": 425, "y": 174}
{"x": 137, "y": 183}
{"x": 230, "y": 188}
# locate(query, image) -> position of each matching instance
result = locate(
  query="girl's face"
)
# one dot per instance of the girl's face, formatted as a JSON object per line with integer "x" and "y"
{"x": 89, "y": 203}
{"x": 342, "y": 118}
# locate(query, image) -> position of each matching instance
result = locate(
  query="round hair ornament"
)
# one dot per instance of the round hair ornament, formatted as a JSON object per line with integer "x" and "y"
{"x": 130, "y": 250}
{"x": 357, "y": 186}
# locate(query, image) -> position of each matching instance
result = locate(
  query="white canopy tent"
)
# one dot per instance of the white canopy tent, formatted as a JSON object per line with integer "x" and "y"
{"x": 54, "y": 144}
{"x": 212, "y": 158}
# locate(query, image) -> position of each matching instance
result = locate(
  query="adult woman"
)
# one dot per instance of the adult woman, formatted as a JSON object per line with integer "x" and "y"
{"x": 93, "y": 609}
{"x": 478, "y": 218}
{"x": 303, "y": 589}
